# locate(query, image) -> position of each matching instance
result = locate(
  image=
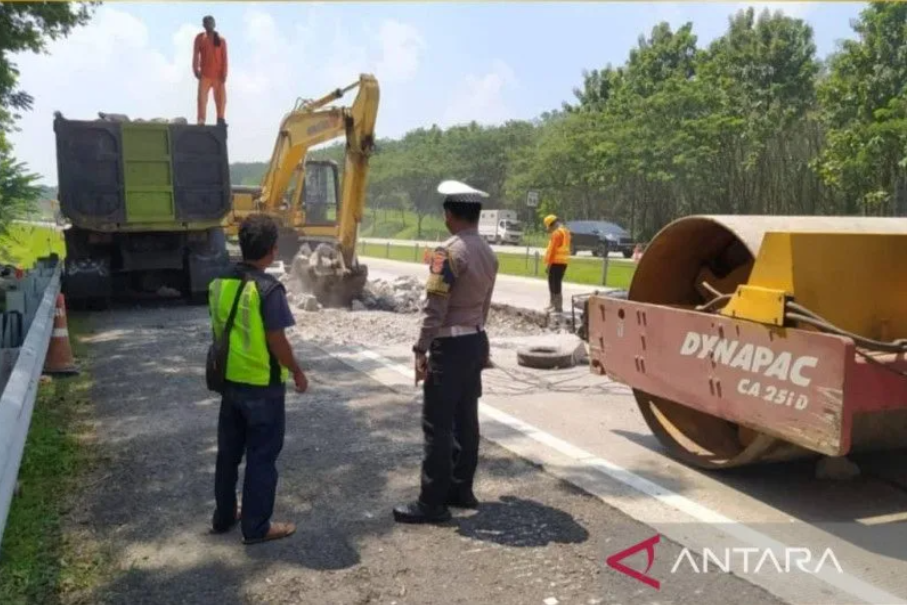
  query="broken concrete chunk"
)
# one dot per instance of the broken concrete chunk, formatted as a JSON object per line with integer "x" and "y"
{"x": 309, "y": 303}
{"x": 358, "y": 305}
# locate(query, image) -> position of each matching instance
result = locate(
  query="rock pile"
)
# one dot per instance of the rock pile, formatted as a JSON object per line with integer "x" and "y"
{"x": 403, "y": 295}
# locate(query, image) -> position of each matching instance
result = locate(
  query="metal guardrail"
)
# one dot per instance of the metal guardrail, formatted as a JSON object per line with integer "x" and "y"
{"x": 36, "y": 302}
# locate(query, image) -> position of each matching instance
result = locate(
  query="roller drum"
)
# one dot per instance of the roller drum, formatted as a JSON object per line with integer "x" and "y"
{"x": 722, "y": 250}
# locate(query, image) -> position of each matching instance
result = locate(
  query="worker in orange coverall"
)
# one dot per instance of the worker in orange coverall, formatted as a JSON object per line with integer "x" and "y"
{"x": 209, "y": 63}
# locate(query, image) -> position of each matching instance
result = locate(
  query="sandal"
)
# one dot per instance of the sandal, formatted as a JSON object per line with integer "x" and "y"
{"x": 275, "y": 532}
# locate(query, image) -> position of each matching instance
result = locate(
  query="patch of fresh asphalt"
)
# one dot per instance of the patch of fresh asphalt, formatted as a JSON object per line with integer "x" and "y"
{"x": 352, "y": 452}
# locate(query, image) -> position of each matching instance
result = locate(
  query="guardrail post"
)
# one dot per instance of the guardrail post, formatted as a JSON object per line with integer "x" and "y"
{"x": 536, "y": 262}
{"x": 605, "y": 270}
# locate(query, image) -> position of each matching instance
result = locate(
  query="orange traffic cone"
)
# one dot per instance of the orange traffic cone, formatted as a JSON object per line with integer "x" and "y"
{"x": 637, "y": 253}
{"x": 59, "y": 358}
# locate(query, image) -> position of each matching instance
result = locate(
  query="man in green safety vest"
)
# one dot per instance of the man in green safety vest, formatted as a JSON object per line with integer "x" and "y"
{"x": 252, "y": 408}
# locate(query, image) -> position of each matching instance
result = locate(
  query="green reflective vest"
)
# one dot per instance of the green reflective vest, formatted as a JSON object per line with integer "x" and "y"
{"x": 249, "y": 361}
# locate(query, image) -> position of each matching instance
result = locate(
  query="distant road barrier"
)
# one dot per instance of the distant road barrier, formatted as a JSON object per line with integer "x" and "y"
{"x": 26, "y": 325}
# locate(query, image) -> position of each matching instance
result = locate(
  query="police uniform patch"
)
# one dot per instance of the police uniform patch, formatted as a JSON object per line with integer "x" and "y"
{"x": 441, "y": 275}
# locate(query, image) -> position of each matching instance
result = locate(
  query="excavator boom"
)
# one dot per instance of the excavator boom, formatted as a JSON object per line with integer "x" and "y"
{"x": 318, "y": 219}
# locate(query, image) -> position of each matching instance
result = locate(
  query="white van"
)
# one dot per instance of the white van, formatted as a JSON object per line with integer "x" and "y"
{"x": 500, "y": 227}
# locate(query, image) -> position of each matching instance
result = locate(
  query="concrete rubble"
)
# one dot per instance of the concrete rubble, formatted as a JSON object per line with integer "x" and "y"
{"x": 388, "y": 311}
{"x": 403, "y": 295}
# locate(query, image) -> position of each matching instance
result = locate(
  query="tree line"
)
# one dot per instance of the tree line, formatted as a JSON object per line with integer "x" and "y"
{"x": 26, "y": 27}
{"x": 753, "y": 123}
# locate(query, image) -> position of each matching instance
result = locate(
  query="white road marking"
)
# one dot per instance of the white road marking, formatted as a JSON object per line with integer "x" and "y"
{"x": 883, "y": 519}
{"x": 852, "y": 585}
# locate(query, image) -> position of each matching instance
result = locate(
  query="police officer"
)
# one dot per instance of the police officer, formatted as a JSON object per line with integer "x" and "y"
{"x": 450, "y": 354}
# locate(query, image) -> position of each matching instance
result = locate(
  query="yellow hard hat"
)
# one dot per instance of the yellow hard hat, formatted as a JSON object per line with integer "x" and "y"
{"x": 548, "y": 220}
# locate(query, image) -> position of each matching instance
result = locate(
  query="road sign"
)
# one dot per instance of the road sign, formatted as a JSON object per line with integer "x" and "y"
{"x": 532, "y": 199}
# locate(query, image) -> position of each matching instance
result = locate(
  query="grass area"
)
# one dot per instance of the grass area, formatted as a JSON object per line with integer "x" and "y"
{"x": 580, "y": 270}
{"x": 43, "y": 561}
{"x": 396, "y": 225}
{"x": 23, "y": 244}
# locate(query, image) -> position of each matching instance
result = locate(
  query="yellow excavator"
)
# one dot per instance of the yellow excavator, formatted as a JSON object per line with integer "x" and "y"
{"x": 318, "y": 212}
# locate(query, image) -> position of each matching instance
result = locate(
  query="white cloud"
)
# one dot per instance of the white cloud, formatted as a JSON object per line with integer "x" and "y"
{"x": 401, "y": 45}
{"x": 113, "y": 65}
{"x": 482, "y": 98}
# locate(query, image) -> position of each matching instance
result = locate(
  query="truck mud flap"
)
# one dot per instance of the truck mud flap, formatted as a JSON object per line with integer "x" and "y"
{"x": 203, "y": 268}
{"x": 87, "y": 279}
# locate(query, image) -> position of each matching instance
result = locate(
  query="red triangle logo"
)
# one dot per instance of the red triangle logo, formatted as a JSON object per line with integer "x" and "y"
{"x": 649, "y": 546}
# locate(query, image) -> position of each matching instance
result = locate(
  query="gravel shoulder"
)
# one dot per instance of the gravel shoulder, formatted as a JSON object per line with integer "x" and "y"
{"x": 352, "y": 452}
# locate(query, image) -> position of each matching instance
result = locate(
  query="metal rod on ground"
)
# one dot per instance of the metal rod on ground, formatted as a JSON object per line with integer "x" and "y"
{"x": 536, "y": 262}
{"x": 605, "y": 270}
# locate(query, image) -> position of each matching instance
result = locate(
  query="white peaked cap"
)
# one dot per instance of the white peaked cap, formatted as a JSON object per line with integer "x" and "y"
{"x": 456, "y": 188}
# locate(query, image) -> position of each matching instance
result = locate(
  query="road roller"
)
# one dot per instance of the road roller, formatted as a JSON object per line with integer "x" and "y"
{"x": 757, "y": 339}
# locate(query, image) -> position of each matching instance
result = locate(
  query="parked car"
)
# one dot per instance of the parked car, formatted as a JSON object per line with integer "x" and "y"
{"x": 600, "y": 237}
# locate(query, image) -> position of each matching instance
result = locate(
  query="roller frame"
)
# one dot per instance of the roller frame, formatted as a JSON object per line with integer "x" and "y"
{"x": 642, "y": 345}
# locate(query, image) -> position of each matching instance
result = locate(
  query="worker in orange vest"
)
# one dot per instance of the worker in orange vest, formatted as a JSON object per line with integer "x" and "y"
{"x": 557, "y": 256}
{"x": 209, "y": 63}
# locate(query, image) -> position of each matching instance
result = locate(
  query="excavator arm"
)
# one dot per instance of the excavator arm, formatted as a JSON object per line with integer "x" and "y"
{"x": 309, "y": 124}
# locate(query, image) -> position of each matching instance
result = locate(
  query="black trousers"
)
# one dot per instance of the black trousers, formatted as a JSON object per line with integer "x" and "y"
{"x": 450, "y": 416}
{"x": 254, "y": 426}
{"x": 556, "y": 278}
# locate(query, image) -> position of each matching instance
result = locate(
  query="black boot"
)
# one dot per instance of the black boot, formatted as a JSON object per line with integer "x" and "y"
{"x": 462, "y": 499}
{"x": 416, "y": 512}
{"x": 221, "y": 122}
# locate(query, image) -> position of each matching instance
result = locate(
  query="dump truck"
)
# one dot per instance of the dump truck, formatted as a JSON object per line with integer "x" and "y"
{"x": 753, "y": 339}
{"x": 145, "y": 201}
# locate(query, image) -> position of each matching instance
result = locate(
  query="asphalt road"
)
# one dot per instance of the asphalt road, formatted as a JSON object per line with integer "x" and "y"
{"x": 352, "y": 452}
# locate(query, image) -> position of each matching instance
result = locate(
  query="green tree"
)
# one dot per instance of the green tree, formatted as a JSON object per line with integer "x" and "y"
{"x": 28, "y": 26}
{"x": 18, "y": 188}
{"x": 864, "y": 102}
{"x": 24, "y": 27}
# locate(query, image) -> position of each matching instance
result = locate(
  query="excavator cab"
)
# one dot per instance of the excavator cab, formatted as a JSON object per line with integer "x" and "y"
{"x": 321, "y": 194}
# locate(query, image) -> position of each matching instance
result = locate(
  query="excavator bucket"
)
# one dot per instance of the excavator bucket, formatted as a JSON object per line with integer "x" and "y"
{"x": 322, "y": 274}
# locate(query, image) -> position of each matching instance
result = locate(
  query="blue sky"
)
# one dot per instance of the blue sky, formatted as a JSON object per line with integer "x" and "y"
{"x": 443, "y": 63}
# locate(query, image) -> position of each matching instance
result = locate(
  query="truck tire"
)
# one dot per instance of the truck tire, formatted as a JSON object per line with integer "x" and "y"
{"x": 628, "y": 253}
{"x": 545, "y": 358}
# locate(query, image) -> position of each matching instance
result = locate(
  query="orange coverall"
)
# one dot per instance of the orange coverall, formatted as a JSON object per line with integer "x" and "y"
{"x": 209, "y": 63}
